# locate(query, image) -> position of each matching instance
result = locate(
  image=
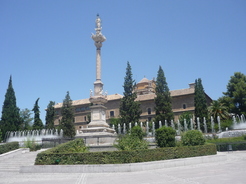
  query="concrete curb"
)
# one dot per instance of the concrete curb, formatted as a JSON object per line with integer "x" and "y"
{"x": 132, "y": 167}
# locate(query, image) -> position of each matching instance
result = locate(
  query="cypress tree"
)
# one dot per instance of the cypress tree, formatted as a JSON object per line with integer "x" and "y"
{"x": 0, "y": 135}
{"x": 50, "y": 116}
{"x": 129, "y": 108}
{"x": 163, "y": 100}
{"x": 200, "y": 103}
{"x": 37, "y": 124}
{"x": 10, "y": 120}
{"x": 67, "y": 121}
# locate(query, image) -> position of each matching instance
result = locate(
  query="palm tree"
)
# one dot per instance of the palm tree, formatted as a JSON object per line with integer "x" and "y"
{"x": 218, "y": 109}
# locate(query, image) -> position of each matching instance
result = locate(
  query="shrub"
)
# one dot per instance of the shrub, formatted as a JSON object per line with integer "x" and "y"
{"x": 137, "y": 131}
{"x": 8, "y": 147}
{"x": 165, "y": 137}
{"x": 32, "y": 145}
{"x": 129, "y": 142}
{"x": 192, "y": 138}
{"x": 74, "y": 146}
{"x": 119, "y": 157}
{"x": 132, "y": 141}
{"x": 244, "y": 137}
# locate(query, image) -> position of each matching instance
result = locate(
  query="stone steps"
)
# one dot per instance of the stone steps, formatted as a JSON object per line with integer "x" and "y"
{"x": 13, "y": 161}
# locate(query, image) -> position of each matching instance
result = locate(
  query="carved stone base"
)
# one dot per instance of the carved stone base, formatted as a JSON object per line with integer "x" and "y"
{"x": 97, "y": 130}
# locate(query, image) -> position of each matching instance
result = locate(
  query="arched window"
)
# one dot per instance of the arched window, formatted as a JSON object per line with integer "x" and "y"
{"x": 184, "y": 106}
{"x": 149, "y": 110}
{"x": 111, "y": 113}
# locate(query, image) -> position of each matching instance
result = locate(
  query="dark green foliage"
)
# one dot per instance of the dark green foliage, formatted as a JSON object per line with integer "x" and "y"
{"x": 132, "y": 141}
{"x": 67, "y": 121}
{"x": 50, "y": 116}
{"x": 10, "y": 120}
{"x": 218, "y": 109}
{"x": 115, "y": 122}
{"x": 235, "y": 146}
{"x": 0, "y": 135}
{"x": 165, "y": 137}
{"x": 128, "y": 142}
{"x": 235, "y": 97}
{"x": 37, "y": 124}
{"x": 163, "y": 100}
{"x": 74, "y": 146}
{"x": 192, "y": 138}
{"x": 200, "y": 103}
{"x": 27, "y": 120}
{"x": 244, "y": 137}
{"x": 137, "y": 131}
{"x": 237, "y": 143}
{"x": 227, "y": 140}
{"x": 4, "y": 148}
{"x": 129, "y": 108}
{"x": 119, "y": 157}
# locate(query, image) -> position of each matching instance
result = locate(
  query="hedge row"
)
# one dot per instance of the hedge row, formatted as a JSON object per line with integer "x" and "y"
{"x": 119, "y": 157}
{"x": 234, "y": 145}
{"x": 4, "y": 148}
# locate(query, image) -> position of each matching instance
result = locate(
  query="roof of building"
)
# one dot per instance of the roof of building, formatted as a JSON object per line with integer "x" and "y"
{"x": 144, "y": 97}
{"x": 173, "y": 93}
{"x": 144, "y": 80}
{"x": 87, "y": 101}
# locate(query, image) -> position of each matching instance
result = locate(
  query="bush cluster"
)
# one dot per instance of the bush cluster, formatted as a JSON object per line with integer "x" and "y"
{"x": 9, "y": 147}
{"x": 132, "y": 141}
{"x": 74, "y": 146}
{"x": 192, "y": 138}
{"x": 119, "y": 157}
{"x": 165, "y": 137}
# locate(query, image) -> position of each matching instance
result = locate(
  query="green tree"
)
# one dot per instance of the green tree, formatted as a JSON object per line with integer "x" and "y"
{"x": 50, "y": 116}
{"x": 67, "y": 121}
{"x": 0, "y": 136}
{"x": 218, "y": 109}
{"x": 235, "y": 97}
{"x": 129, "y": 108}
{"x": 37, "y": 124}
{"x": 200, "y": 102}
{"x": 27, "y": 120}
{"x": 10, "y": 120}
{"x": 163, "y": 100}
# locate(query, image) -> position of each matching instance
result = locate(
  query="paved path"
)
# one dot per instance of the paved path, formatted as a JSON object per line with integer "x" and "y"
{"x": 233, "y": 170}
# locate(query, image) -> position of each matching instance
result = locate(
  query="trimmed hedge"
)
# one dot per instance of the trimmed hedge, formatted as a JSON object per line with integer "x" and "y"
{"x": 9, "y": 147}
{"x": 234, "y": 145}
{"x": 119, "y": 157}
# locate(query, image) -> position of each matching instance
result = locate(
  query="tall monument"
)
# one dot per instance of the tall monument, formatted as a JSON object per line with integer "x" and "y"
{"x": 98, "y": 125}
{"x": 98, "y": 111}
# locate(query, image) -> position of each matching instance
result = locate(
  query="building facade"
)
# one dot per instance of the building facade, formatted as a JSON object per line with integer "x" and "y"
{"x": 182, "y": 101}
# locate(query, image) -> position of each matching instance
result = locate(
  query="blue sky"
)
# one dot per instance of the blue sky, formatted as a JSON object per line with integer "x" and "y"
{"x": 47, "y": 48}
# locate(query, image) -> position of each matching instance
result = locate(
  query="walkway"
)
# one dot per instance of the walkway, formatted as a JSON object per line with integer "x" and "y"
{"x": 232, "y": 170}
